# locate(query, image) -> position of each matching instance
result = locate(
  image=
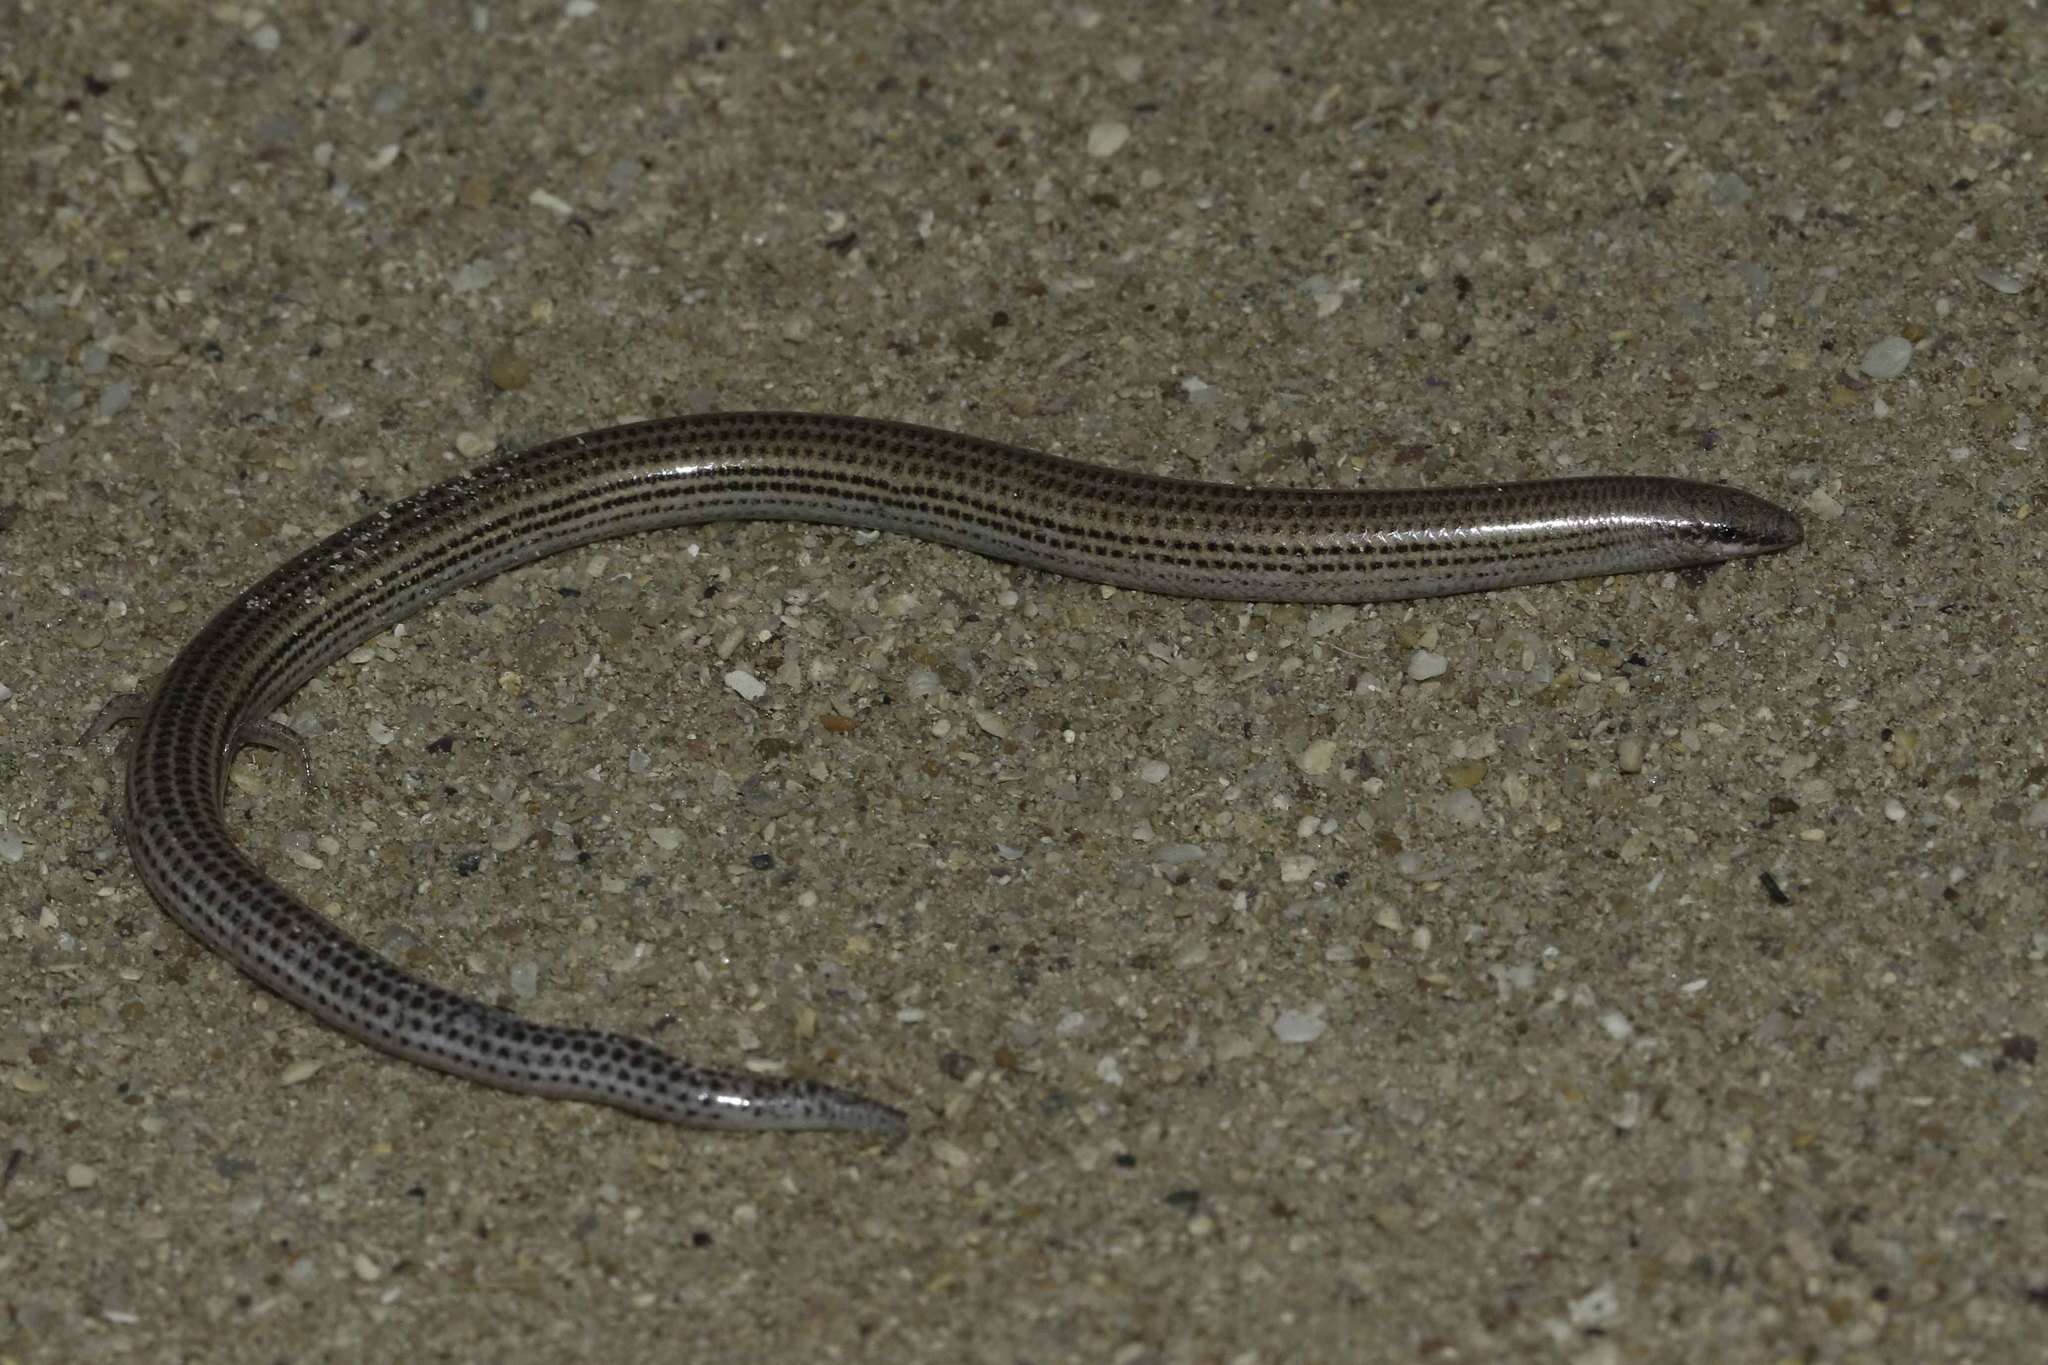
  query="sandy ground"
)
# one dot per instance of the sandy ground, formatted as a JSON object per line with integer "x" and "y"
{"x": 1660, "y": 981}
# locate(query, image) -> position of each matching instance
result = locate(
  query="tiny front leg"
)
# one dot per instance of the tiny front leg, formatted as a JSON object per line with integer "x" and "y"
{"x": 264, "y": 734}
{"x": 119, "y": 710}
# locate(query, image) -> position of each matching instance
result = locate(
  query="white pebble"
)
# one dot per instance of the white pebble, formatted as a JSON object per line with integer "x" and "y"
{"x": 553, "y": 203}
{"x": 1824, "y": 505}
{"x": 1316, "y": 757}
{"x": 1153, "y": 771}
{"x": 1461, "y": 807}
{"x": 1296, "y": 867}
{"x": 512, "y": 833}
{"x": 1329, "y": 294}
{"x": 1895, "y": 812}
{"x": 1888, "y": 358}
{"x": 1424, "y": 664}
{"x": 1729, "y": 190}
{"x": 301, "y": 1071}
{"x": 1628, "y": 755}
{"x": 474, "y": 276}
{"x": 2004, "y": 281}
{"x": 746, "y": 684}
{"x": 1105, "y": 138}
{"x": 1596, "y": 1309}
{"x": 1299, "y": 1026}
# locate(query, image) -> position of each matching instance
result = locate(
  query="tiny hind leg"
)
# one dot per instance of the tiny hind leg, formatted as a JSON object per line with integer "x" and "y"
{"x": 268, "y": 734}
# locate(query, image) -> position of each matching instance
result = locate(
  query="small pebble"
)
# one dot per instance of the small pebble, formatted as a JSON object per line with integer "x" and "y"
{"x": 553, "y": 203}
{"x": 1465, "y": 776}
{"x": 1729, "y": 191}
{"x": 1424, "y": 664}
{"x": 1105, "y": 138}
{"x": 1329, "y": 294}
{"x": 1296, "y": 867}
{"x": 2004, "y": 281}
{"x": 1628, "y": 755}
{"x": 143, "y": 344}
{"x": 746, "y": 684}
{"x": 1463, "y": 808}
{"x": 301, "y": 1071}
{"x": 80, "y": 1176}
{"x": 508, "y": 372}
{"x": 1596, "y": 1309}
{"x": 1888, "y": 358}
{"x": 473, "y": 276}
{"x": 1316, "y": 757}
{"x": 1299, "y": 1026}
{"x": 1152, "y": 771}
